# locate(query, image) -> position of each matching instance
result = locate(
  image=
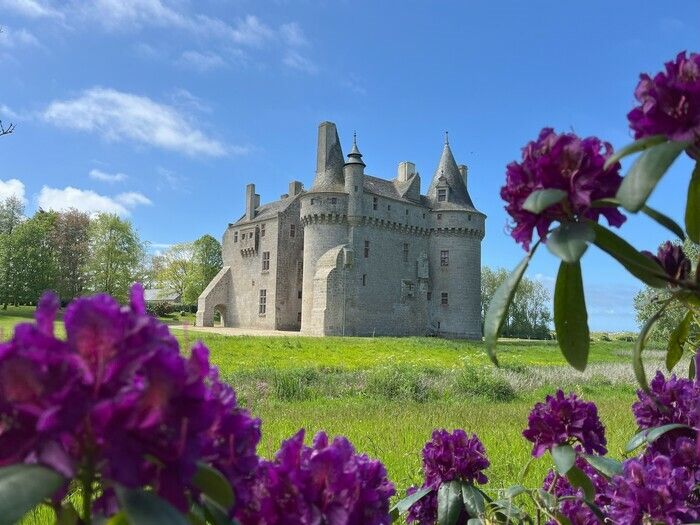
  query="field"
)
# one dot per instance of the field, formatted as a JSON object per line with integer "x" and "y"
{"x": 387, "y": 394}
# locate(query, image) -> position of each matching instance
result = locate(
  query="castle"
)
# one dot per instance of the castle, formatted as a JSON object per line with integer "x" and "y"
{"x": 355, "y": 254}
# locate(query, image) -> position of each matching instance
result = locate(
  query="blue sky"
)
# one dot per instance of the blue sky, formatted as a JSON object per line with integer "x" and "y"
{"x": 162, "y": 110}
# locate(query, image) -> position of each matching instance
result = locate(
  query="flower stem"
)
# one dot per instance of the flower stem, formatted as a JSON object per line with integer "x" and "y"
{"x": 88, "y": 479}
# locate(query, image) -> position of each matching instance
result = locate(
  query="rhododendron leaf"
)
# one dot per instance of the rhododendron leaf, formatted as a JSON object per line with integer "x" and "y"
{"x": 515, "y": 490}
{"x": 677, "y": 340}
{"x": 564, "y": 457}
{"x": 639, "y": 265}
{"x": 504, "y": 508}
{"x": 580, "y": 480}
{"x": 212, "y": 483}
{"x": 548, "y": 499}
{"x": 639, "y": 345}
{"x": 118, "y": 519}
{"x": 500, "y": 302}
{"x": 473, "y": 500}
{"x": 146, "y": 508}
{"x": 570, "y": 315}
{"x": 216, "y": 515}
{"x": 540, "y": 200}
{"x": 649, "y": 435}
{"x": 636, "y": 146}
{"x": 609, "y": 467}
{"x": 691, "y": 369}
{"x": 407, "y": 502}
{"x": 475, "y": 521}
{"x": 570, "y": 240}
{"x": 67, "y": 515}
{"x": 23, "y": 487}
{"x": 646, "y": 172}
{"x": 692, "y": 206}
{"x": 450, "y": 503}
{"x": 665, "y": 221}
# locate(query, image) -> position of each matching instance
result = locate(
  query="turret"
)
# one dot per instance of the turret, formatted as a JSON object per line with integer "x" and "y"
{"x": 329, "y": 160}
{"x": 448, "y": 188}
{"x": 354, "y": 172}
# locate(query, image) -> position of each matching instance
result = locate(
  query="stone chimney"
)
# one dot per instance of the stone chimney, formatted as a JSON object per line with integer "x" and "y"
{"x": 250, "y": 199}
{"x": 295, "y": 188}
{"x": 406, "y": 171}
{"x": 463, "y": 170}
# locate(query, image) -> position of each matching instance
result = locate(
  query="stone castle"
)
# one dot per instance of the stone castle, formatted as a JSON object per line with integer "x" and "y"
{"x": 355, "y": 254}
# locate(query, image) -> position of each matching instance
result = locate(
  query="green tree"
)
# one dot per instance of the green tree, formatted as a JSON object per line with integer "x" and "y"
{"x": 11, "y": 216}
{"x": 116, "y": 255}
{"x": 207, "y": 262}
{"x": 71, "y": 242}
{"x": 177, "y": 268}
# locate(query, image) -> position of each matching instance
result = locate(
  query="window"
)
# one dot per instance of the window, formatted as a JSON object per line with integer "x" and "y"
{"x": 235, "y": 236}
{"x": 298, "y": 294}
{"x": 300, "y": 270}
{"x": 424, "y": 215}
{"x": 442, "y": 194}
{"x": 366, "y": 249}
{"x": 292, "y": 230}
{"x": 439, "y": 216}
{"x": 438, "y": 325}
{"x": 355, "y": 188}
{"x": 430, "y": 296}
{"x": 443, "y": 299}
{"x": 374, "y": 203}
{"x": 312, "y": 201}
{"x": 444, "y": 258}
{"x": 334, "y": 200}
{"x": 262, "y": 308}
{"x": 364, "y": 279}
{"x": 266, "y": 261}
{"x": 469, "y": 216}
{"x": 405, "y": 252}
{"x": 388, "y": 207}
{"x": 262, "y": 230}
{"x": 299, "y": 317}
{"x": 406, "y": 211}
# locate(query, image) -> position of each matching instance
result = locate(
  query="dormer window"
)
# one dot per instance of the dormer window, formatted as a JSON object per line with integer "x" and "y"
{"x": 442, "y": 194}
{"x": 235, "y": 236}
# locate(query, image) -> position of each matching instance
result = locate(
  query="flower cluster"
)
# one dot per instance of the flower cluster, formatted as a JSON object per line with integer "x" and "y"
{"x": 670, "y": 400}
{"x": 672, "y": 259}
{"x": 116, "y": 402}
{"x": 669, "y": 103}
{"x": 324, "y": 483}
{"x": 447, "y": 457}
{"x": 565, "y": 162}
{"x": 565, "y": 419}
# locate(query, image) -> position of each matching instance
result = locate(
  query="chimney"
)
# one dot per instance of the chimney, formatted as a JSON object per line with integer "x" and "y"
{"x": 295, "y": 188}
{"x": 463, "y": 170}
{"x": 250, "y": 202}
{"x": 406, "y": 171}
{"x": 257, "y": 201}
{"x": 284, "y": 196}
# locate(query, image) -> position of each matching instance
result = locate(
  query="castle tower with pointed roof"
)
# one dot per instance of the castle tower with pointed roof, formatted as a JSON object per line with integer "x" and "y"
{"x": 355, "y": 254}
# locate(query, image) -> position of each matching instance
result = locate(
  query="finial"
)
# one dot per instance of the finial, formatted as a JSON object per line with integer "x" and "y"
{"x": 447, "y": 141}
{"x": 354, "y": 137}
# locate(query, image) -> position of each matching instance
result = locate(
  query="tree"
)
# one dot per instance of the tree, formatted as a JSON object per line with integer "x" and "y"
{"x": 529, "y": 315}
{"x": 177, "y": 268}
{"x": 116, "y": 254}
{"x": 208, "y": 262}
{"x": 11, "y": 215}
{"x": 71, "y": 242}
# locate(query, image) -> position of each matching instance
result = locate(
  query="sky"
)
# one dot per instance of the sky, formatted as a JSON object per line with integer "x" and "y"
{"x": 163, "y": 110}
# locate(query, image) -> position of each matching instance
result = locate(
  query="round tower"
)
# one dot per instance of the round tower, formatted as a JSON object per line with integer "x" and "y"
{"x": 354, "y": 172}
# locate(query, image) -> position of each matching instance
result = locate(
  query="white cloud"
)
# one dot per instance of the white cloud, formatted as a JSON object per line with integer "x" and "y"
{"x": 31, "y": 8}
{"x": 7, "y": 113}
{"x": 88, "y": 201}
{"x": 123, "y": 14}
{"x": 103, "y": 176}
{"x": 14, "y": 38}
{"x": 116, "y": 116}
{"x": 205, "y": 61}
{"x": 251, "y": 31}
{"x": 12, "y": 187}
{"x": 295, "y": 60}
{"x": 293, "y": 35}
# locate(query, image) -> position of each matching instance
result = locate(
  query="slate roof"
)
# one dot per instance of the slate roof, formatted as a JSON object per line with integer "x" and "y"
{"x": 267, "y": 211}
{"x": 160, "y": 294}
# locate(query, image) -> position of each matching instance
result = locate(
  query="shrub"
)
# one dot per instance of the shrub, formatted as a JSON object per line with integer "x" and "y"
{"x": 482, "y": 383}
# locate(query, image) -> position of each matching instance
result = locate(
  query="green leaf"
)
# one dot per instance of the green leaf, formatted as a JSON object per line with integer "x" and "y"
{"x": 475, "y": 521}
{"x": 212, "y": 483}
{"x": 564, "y": 457}
{"x": 146, "y": 508}
{"x": 570, "y": 315}
{"x": 646, "y": 172}
{"x": 67, "y": 515}
{"x": 637, "y": 145}
{"x": 607, "y": 466}
{"x": 638, "y": 264}
{"x": 23, "y": 487}
{"x": 215, "y": 513}
{"x": 570, "y": 240}
{"x": 407, "y": 502}
{"x": 691, "y": 368}
{"x": 580, "y": 480}
{"x": 665, "y": 221}
{"x": 118, "y": 519}
{"x": 540, "y": 200}
{"x": 548, "y": 500}
{"x": 650, "y": 435}
{"x": 692, "y": 206}
{"x": 639, "y": 345}
{"x": 450, "y": 503}
{"x": 514, "y": 491}
{"x": 498, "y": 307}
{"x": 473, "y": 500}
{"x": 677, "y": 340}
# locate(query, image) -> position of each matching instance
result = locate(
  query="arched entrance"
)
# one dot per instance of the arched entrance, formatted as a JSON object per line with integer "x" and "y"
{"x": 220, "y": 315}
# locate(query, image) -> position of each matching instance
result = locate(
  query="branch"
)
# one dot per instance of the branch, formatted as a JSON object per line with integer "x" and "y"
{"x": 6, "y": 130}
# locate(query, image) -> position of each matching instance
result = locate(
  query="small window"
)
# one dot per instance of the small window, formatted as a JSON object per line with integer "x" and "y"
{"x": 388, "y": 207}
{"x": 443, "y": 299}
{"x": 292, "y": 230}
{"x": 299, "y": 317}
{"x": 262, "y": 308}
{"x": 374, "y": 203}
{"x": 334, "y": 200}
{"x": 262, "y": 230}
{"x": 298, "y": 294}
{"x": 439, "y": 216}
{"x": 442, "y": 194}
{"x": 407, "y": 211}
{"x": 356, "y": 188}
{"x": 438, "y": 325}
{"x": 300, "y": 270}
{"x": 366, "y": 249}
{"x": 364, "y": 279}
{"x": 265, "y": 261}
{"x": 424, "y": 215}
{"x": 469, "y": 216}
{"x": 430, "y": 296}
{"x": 444, "y": 257}
{"x": 235, "y": 236}
{"x": 405, "y": 252}
{"x": 313, "y": 201}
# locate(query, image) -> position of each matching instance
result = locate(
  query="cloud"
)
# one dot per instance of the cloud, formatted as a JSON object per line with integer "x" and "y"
{"x": 116, "y": 116}
{"x": 7, "y": 113}
{"x": 293, "y": 35}
{"x": 251, "y": 31}
{"x": 88, "y": 201}
{"x": 12, "y": 187}
{"x": 202, "y": 62}
{"x": 107, "y": 177}
{"x": 15, "y": 38}
{"x": 123, "y": 14}
{"x": 31, "y": 8}
{"x": 295, "y": 60}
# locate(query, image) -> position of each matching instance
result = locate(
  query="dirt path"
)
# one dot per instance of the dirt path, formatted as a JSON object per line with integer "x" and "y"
{"x": 235, "y": 331}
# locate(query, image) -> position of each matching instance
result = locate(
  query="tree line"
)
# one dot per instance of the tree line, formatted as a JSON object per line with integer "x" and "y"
{"x": 74, "y": 253}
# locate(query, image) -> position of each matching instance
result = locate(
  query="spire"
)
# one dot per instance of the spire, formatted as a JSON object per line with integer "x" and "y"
{"x": 447, "y": 139}
{"x": 329, "y": 159}
{"x": 354, "y": 157}
{"x": 448, "y": 175}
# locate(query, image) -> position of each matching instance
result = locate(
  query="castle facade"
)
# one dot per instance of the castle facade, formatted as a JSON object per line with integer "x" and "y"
{"x": 355, "y": 254}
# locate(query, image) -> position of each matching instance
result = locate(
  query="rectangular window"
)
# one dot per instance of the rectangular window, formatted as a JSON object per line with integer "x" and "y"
{"x": 444, "y": 258}
{"x": 312, "y": 201}
{"x": 388, "y": 207}
{"x": 366, "y": 249}
{"x": 442, "y": 194}
{"x": 334, "y": 200}
{"x": 292, "y": 230}
{"x": 430, "y": 295}
{"x": 469, "y": 216}
{"x": 439, "y": 216}
{"x": 406, "y": 211}
{"x": 266, "y": 261}
{"x": 443, "y": 299}
{"x": 364, "y": 279}
{"x": 405, "y": 252}
{"x": 262, "y": 230}
{"x": 263, "y": 302}
{"x": 299, "y": 317}
{"x": 355, "y": 188}
{"x": 300, "y": 270}
{"x": 298, "y": 294}
{"x": 374, "y": 203}
{"x": 235, "y": 236}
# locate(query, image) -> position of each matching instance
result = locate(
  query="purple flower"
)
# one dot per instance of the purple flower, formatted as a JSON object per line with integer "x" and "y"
{"x": 449, "y": 456}
{"x": 655, "y": 492}
{"x": 672, "y": 259}
{"x": 424, "y": 511}
{"x": 670, "y": 401}
{"x": 565, "y": 162}
{"x": 565, "y": 419}
{"x": 669, "y": 104}
{"x": 324, "y": 483}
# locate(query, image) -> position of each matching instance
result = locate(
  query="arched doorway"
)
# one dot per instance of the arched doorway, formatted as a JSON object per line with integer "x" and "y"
{"x": 220, "y": 315}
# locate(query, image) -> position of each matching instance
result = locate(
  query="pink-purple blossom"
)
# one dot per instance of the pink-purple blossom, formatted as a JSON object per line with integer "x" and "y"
{"x": 672, "y": 259}
{"x": 564, "y": 162}
{"x": 671, "y": 400}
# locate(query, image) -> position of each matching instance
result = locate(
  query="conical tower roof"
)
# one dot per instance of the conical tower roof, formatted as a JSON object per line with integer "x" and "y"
{"x": 447, "y": 174}
{"x": 329, "y": 160}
